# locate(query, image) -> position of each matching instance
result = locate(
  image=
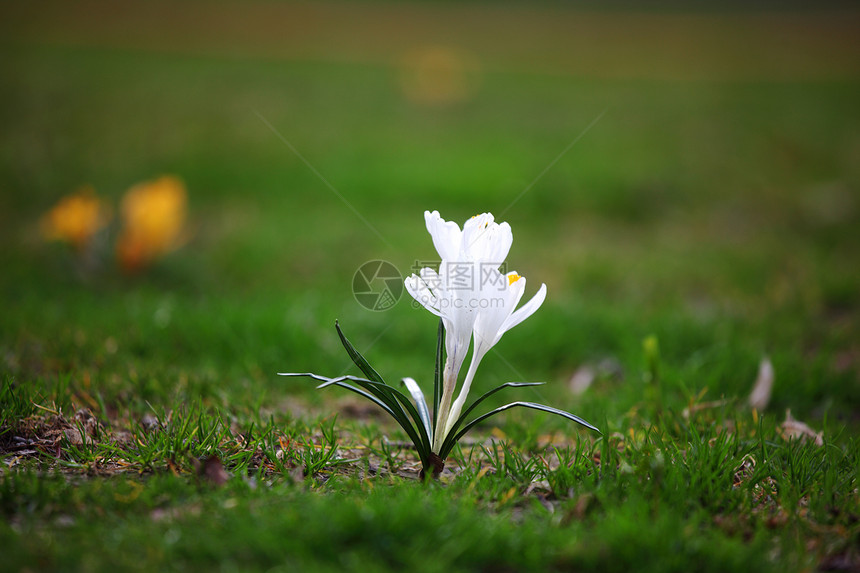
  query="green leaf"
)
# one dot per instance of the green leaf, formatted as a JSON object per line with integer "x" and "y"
{"x": 374, "y": 376}
{"x": 358, "y": 391}
{"x": 391, "y": 398}
{"x": 437, "y": 375}
{"x": 419, "y": 436}
{"x": 468, "y": 411}
{"x": 357, "y": 358}
{"x": 449, "y": 442}
{"x": 420, "y": 403}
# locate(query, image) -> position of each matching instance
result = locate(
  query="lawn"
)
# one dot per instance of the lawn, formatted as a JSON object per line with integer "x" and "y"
{"x": 692, "y": 206}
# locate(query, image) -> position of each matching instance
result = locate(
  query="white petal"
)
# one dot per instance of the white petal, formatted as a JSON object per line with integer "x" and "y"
{"x": 433, "y": 282}
{"x": 501, "y": 243}
{"x": 446, "y": 235}
{"x": 476, "y": 223}
{"x": 498, "y": 303}
{"x": 485, "y": 240}
{"x": 419, "y": 290}
{"x": 526, "y": 310}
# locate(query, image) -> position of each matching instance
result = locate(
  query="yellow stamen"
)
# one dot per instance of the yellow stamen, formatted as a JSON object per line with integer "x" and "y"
{"x": 512, "y": 278}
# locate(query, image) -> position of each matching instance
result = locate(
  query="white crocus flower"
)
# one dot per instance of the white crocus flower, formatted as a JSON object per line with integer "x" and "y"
{"x": 471, "y": 296}
{"x": 474, "y": 301}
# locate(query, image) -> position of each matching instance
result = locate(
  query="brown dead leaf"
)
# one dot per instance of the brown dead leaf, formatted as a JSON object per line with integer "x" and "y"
{"x": 297, "y": 474}
{"x": 583, "y": 503}
{"x": 797, "y": 430}
{"x": 150, "y": 422}
{"x": 581, "y": 379}
{"x": 212, "y": 470}
{"x": 760, "y": 395}
{"x": 606, "y": 369}
{"x": 744, "y": 471}
{"x": 74, "y": 436}
{"x": 694, "y": 408}
{"x": 538, "y": 487}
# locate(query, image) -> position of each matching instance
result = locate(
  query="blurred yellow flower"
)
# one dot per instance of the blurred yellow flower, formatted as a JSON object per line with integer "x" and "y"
{"x": 153, "y": 215}
{"x": 76, "y": 218}
{"x": 439, "y": 75}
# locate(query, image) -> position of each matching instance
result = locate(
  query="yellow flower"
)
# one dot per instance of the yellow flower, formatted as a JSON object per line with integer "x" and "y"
{"x": 75, "y": 218}
{"x": 438, "y": 76}
{"x": 153, "y": 214}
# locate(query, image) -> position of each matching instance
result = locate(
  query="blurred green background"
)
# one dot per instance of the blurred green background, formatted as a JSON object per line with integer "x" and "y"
{"x": 693, "y": 175}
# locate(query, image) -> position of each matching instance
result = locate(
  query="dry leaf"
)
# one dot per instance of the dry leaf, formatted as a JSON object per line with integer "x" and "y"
{"x": 583, "y": 503}
{"x": 760, "y": 395}
{"x": 581, "y": 379}
{"x": 795, "y": 429}
{"x": 212, "y": 470}
{"x": 74, "y": 436}
{"x": 84, "y": 417}
{"x": 690, "y": 410}
{"x": 297, "y": 474}
{"x": 149, "y": 422}
{"x": 745, "y": 470}
{"x": 586, "y": 374}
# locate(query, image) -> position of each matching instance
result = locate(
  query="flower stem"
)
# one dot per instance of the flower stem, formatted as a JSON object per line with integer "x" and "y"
{"x": 444, "y": 404}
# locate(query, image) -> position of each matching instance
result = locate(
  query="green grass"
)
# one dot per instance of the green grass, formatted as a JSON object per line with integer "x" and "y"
{"x": 718, "y": 215}
{"x": 668, "y": 496}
